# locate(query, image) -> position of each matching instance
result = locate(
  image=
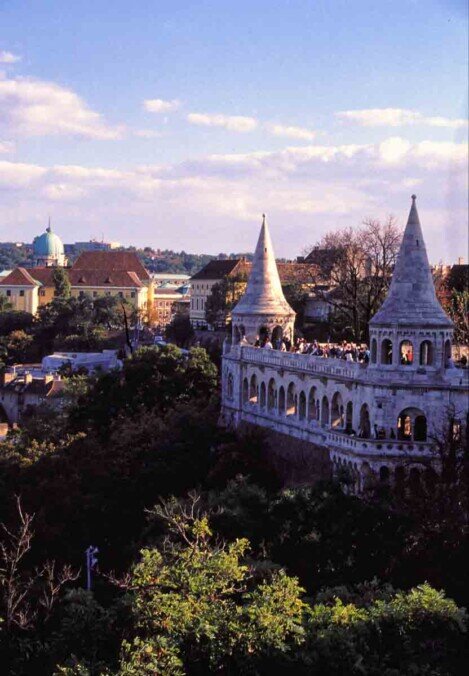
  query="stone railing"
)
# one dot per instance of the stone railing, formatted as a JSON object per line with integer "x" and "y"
{"x": 298, "y": 362}
{"x": 339, "y": 440}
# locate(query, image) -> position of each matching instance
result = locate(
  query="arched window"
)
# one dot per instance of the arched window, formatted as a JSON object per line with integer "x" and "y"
{"x": 277, "y": 335}
{"x": 262, "y": 395}
{"x": 384, "y": 474}
{"x": 291, "y": 399}
{"x": 230, "y": 386}
{"x": 302, "y": 406}
{"x": 312, "y": 404}
{"x": 374, "y": 350}
{"x": 245, "y": 391}
{"x": 253, "y": 389}
{"x": 447, "y": 353}
{"x": 271, "y": 395}
{"x": 426, "y": 353}
{"x": 263, "y": 335}
{"x": 406, "y": 353}
{"x": 386, "y": 351}
{"x": 349, "y": 417}
{"x": 281, "y": 400}
{"x": 337, "y": 411}
{"x": 365, "y": 425}
{"x": 412, "y": 425}
{"x": 318, "y": 410}
{"x": 325, "y": 411}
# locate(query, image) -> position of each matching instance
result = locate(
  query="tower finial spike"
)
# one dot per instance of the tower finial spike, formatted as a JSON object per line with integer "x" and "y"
{"x": 263, "y": 219}
{"x": 48, "y": 229}
{"x": 414, "y": 197}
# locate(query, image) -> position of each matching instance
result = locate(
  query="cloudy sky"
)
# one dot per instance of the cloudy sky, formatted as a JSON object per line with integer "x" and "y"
{"x": 177, "y": 123}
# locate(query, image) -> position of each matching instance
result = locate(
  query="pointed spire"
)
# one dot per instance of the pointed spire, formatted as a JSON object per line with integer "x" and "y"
{"x": 49, "y": 229}
{"x": 411, "y": 299}
{"x": 264, "y": 294}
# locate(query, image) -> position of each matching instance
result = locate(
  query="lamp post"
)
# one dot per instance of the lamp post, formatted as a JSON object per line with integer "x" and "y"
{"x": 91, "y": 561}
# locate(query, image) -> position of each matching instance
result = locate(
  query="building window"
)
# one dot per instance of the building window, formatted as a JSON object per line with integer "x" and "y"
{"x": 8, "y": 292}
{"x": 95, "y": 294}
{"x": 132, "y": 294}
{"x": 120, "y": 294}
{"x": 21, "y": 292}
{"x": 42, "y": 292}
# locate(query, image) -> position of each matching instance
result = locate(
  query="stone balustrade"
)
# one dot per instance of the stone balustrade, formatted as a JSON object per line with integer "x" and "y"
{"x": 374, "y": 447}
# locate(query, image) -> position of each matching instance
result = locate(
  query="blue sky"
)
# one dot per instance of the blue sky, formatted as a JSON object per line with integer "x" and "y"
{"x": 176, "y": 124}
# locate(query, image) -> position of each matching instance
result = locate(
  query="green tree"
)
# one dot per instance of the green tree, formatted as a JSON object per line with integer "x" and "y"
{"x": 223, "y": 297}
{"x": 5, "y": 304}
{"x": 180, "y": 330}
{"x": 197, "y": 608}
{"x": 61, "y": 280}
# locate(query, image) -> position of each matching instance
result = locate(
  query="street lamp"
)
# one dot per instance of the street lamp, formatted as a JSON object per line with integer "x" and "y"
{"x": 91, "y": 561}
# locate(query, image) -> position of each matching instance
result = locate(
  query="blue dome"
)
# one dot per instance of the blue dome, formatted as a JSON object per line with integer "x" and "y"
{"x": 48, "y": 245}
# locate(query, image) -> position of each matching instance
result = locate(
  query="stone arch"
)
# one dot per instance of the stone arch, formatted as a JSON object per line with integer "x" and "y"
{"x": 245, "y": 391}
{"x": 302, "y": 406}
{"x": 272, "y": 395}
{"x": 264, "y": 334}
{"x": 292, "y": 400}
{"x": 253, "y": 389}
{"x": 349, "y": 416}
{"x": 312, "y": 404}
{"x": 365, "y": 424}
{"x": 230, "y": 386}
{"x": 386, "y": 351}
{"x": 426, "y": 353}
{"x": 447, "y": 352}
{"x": 412, "y": 425}
{"x": 277, "y": 335}
{"x": 325, "y": 411}
{"x": 406, "y": 353}
{"x": 337, "y": 411}
{"x": 262, "y": 395}
{"x": 384, "y": 474}
{"x": 374, "y": 351}
{"x": 281, "y": 400}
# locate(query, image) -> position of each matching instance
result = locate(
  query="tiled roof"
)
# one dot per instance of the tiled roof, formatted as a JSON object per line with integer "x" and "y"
{"x": 90, "y": 277}
{"x": 18, "y": 277}
{"x": 217, "y": 269}
{"x": 111, "y": 261}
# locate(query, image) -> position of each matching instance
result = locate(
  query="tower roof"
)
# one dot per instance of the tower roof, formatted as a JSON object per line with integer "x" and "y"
{"x": 263, "y": 295}
{"x": 411, "y": 299}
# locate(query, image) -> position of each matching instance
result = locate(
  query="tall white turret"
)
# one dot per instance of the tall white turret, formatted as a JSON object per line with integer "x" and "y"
{"x": 411, "y": 329}
{"x": 263, "y": 309}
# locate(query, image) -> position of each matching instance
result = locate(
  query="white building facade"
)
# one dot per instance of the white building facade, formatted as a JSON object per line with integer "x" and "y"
{"x": 377, "y": 420}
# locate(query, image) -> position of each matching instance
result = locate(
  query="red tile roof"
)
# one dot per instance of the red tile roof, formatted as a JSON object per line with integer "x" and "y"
{"x": 217, "y": 269}
{"x": 18, "y": 277}
{"x": 111, "y": 261}
{"x": 90, "y": 277}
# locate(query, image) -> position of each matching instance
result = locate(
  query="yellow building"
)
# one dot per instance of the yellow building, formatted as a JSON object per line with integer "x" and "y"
{"x": 95, "y": 273}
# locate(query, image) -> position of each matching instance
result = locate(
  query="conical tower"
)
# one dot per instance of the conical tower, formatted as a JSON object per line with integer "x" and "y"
{"x": 411, "y": 328}
{"x": 263, "y": 309}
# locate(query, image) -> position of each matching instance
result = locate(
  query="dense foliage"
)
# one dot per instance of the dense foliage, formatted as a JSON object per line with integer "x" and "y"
{"x": 206, "y": 565}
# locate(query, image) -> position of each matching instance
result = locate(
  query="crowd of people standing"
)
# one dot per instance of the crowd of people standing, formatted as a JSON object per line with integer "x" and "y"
{"x": 344, "y": 350}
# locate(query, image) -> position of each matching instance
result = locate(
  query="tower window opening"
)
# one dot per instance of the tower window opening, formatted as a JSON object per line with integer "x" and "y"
{"x": 406, "y": 353}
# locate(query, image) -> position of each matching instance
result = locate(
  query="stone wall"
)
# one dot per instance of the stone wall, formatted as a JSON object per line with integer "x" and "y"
{"x": 296, "y": 461}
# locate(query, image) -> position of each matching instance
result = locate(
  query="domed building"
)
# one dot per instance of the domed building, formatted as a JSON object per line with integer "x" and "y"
{"x": 48, "y": 250}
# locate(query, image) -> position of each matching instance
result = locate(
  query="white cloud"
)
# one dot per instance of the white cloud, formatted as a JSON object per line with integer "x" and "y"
{"x": 238, "y": 123}
{"x": 306, "y": 191}
{"x": 9, "y": 57}
{"x": 6, "y": 146}
{"x": 160, "y": 105}
{"x": 147, "y": 133}
{"x": 291, "y": 132}
{"x": 397, "y": 117}
{"x": 394, "y": 149}
{"x": 37, "y": 108}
